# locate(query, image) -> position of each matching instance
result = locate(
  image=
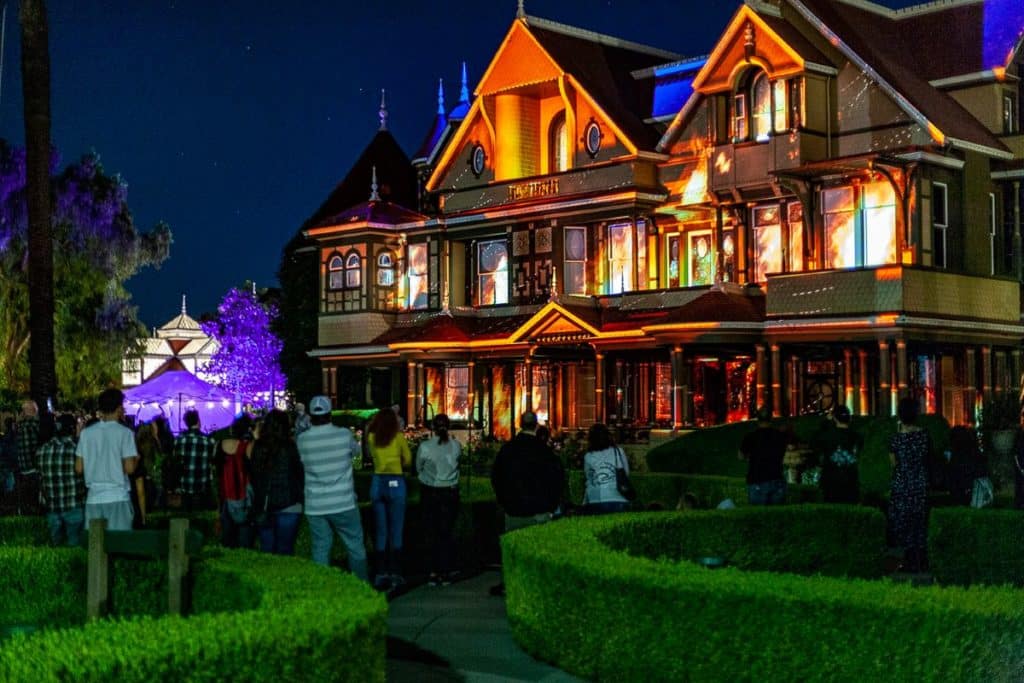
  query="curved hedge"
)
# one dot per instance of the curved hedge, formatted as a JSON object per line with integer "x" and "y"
{"x": 602, "y": 614}
{"x": 968, "y": 546}
{"x": 256, "y": 617}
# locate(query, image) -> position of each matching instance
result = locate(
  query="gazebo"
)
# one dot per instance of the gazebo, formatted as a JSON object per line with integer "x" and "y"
{"x": 174, "y": 392}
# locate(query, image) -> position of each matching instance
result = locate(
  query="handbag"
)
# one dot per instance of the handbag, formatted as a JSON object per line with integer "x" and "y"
{"x": 982, "y": 493}
{"x": 622, "y": 482}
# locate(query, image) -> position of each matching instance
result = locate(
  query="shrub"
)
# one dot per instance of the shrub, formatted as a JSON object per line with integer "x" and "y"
{"x": 256, "y": 617}
{"x": 602, "y": 614}
{"x": 968, "y": 546}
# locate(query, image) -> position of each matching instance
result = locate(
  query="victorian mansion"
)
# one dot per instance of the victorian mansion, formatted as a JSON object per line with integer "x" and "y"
{"x": 825, "y": 209}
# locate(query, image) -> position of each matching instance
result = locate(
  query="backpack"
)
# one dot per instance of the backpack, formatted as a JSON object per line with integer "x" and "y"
{"x": 235, "y": 484}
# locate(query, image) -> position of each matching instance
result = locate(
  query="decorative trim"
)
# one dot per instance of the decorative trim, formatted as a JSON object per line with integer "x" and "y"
{"x": 980, "y": 149}
{"x": 967, "y": 79}
{"x": 1015, "y": 174}
{"x": 601, "y": 38}
{"x": 933, "y": 159}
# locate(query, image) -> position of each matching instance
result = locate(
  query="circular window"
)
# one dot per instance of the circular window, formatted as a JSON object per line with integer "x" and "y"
{"x": 592, "y": 138}
{"x": 478, "y": 159}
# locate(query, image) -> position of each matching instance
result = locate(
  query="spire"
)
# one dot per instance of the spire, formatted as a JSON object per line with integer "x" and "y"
{"x": 464, "y": 93}
{"x": 184, "y": 310}
{"x": 440, "y": 97}
{"x": 553, "y": 288}
{"x": 383, "y": 113}
{"x": 374, "y": 197}
{"x": 521, "y": 12}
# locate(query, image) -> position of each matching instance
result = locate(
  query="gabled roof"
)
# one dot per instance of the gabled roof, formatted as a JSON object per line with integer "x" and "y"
{"x": 394, "y": 170}
{"x": 604, "y": 68}
{"x": 887, "y": 49}
{"x": 442, "y": 327}
{"x": 372, "y": 213}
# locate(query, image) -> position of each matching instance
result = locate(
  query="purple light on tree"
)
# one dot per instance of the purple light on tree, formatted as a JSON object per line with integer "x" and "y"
{"x": 247, "y": 360}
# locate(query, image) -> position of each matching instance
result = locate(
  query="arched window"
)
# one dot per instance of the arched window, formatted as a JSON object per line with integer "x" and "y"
{"x": 335, "y": 273}
{"x": 385, "y": 269}
{"x": 353, "y": 270}
{"x": 761, "y": 107}
{"x": 559, "y": 144}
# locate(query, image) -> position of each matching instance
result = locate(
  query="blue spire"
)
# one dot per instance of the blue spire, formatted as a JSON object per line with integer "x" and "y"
{"x": 440, "y": 96}
{"x": 464, "y": 93}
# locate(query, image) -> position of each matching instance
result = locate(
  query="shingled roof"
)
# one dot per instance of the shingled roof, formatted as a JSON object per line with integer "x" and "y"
{"x": 603, "y": 66}
{"x": 900, "y": 51}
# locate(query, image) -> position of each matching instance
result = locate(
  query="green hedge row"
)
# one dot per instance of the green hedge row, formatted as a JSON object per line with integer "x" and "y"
{"x": 256, "y": 617}
{"x": 968, "y": 546}
{"x": 602, "y": 614}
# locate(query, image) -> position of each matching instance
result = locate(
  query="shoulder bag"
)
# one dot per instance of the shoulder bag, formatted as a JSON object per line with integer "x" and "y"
{"x": 622, "y": 482}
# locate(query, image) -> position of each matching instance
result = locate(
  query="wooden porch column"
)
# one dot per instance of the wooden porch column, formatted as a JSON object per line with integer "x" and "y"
{"x": 421, "y": 394}
{"x": 412, "y": 415}
{"x": 794, "y": 386}
{"x": 986, "y": 373}
{"x": 762, "y": 375}
{"x": 848, "y": 378}
{"x": 620, "y": 390}
{"x": 571, "y": 419}
{"x": 863, "y": 402}
{"x": 971, "y": 388}
{"x": 1015, "y": 370}
{"x": 1018, "y": 262}
{"x": 902, "y": 379}
{"x": 471, "y": 394}
{"x": 325, "y": 383}
{"x": 1001, "y": 381}
{"x": 528, "y": 384}
{"x": 884, "y": 379}
{"x": 599, "y": 406}
{"x": 332, "y": 381}
{"x": 776, "y": 381}
{"x": 678, "y": 387}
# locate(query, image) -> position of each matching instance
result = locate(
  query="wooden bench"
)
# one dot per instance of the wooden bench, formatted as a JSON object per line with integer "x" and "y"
{"x": 177, "y": 545}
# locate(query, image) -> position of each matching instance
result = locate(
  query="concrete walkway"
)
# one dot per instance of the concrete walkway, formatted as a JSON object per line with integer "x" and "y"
{"x": 458, "y": 633}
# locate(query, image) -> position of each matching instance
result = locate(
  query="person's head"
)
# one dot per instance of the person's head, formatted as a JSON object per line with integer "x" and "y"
{"x": 66, "y": 425}
{"x": 544, "y": 433}
{"x": 241, "y": 428}
{"x": 907, "y": 411}
{"x": 764, "y": 417}
{"x": 842, "y": 416}
{"x": 440, "y": 425}
{"x": 319, "y": 410}
{"x": 276, "y": 426}
{"x": 599, "y": 437}
{"x": 111, "y": 403}
{"x": 300, "y": 408}
{"x": 384, "y": 427}
{"x": 29, "y": 408}
{"x": 191, "y": 419}
{"x": 528, "y": 422}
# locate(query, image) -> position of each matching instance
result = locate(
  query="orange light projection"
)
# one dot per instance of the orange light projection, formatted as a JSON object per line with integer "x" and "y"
{"x": 723, "y": 163}
{"x": 540, "y": 394}
{"x": 417, "y": 276}
{"x": 879, "y": 223}
{"x": 432, "y": 378}
{"x": 620, "y": 239}
{"x": 767, "y": 241}
{"x": 501, "y": 406}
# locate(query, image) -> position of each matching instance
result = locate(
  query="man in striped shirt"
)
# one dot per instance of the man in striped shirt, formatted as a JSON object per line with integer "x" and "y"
{"x": 63, "y": 490}
{"x": 330, "y": 505}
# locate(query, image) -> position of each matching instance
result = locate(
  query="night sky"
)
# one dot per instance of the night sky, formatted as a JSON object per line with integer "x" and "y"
{"x": 232, "y": 120}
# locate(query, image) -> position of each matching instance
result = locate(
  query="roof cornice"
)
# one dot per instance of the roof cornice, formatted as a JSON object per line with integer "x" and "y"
{"x": 601, "y": 38}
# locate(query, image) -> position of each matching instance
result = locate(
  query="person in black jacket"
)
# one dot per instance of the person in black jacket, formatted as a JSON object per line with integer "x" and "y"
{"x": 528, "y": 480}
{"x": 278, "y": 483}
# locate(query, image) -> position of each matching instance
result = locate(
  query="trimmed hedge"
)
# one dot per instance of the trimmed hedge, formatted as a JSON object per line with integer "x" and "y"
{"x": 968, "y": 546}
{"x": 712, "y": 450}
{"x": 256, "y": 617}
{"x": 602, "y": 614}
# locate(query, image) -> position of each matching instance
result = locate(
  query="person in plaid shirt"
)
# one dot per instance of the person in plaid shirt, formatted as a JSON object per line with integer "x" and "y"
{"x": 63, "y": 490}
{"x": 26, "y": 443}
{"x": 193, "y": 450}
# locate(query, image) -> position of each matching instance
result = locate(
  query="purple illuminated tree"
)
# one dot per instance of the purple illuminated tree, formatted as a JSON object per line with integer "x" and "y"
{"x": 248, "y": 358}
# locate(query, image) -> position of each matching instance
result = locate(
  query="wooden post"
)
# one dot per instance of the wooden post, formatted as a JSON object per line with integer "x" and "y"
{"x": 177, "y": 564}
{"x": 98, "y": 588}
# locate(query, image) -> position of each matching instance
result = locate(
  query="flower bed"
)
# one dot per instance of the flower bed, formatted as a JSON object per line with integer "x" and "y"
{"x": 603, "y": 614}
{"x": 255, "y": 618}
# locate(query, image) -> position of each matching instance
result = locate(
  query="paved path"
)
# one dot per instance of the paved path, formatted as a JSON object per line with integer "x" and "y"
{"x": 458, "y": 633}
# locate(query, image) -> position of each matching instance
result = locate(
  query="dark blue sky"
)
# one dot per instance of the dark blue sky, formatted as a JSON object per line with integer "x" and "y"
{"x": 231, "y": 120}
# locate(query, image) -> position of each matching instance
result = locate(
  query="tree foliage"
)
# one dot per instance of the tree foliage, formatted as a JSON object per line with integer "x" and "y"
{"x": 96, "y": 248}
{"x": 247, "y": 360}
{"x": 296, "y": 324}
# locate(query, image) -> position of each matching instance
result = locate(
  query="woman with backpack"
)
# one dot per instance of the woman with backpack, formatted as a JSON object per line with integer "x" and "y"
{"x": 391, "y": 455}
{"x": 277, "y": 481}
{"x": 231, "y": 465}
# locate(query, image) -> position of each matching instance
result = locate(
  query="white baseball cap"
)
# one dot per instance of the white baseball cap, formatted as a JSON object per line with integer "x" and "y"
{"x": 319, "y": 405}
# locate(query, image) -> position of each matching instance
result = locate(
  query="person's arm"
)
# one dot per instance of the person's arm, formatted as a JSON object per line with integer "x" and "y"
{"x": 129, "y": 464}
{"x": 140, "y": 492}
{"x": 404, "y": 453}
{"x": 79, "y": 465}
{"x": 420, "y": 457}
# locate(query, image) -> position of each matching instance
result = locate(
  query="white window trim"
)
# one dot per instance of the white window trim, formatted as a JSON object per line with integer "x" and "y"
{"x": 992, "y": 232}
{"x": 1008, "y": 114}
{"x": 942, "y": 227}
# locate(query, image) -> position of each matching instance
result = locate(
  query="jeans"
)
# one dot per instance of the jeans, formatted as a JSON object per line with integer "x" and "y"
{"x": 235, "y": 534}
{"x": 387, "y": 494}
{"x": 349, "y": 527}
{"x": 767, "y": 492}
{"x": 440, "y": 505}
{"x": 66, "y": 526}
{"x": 277, "y": 536}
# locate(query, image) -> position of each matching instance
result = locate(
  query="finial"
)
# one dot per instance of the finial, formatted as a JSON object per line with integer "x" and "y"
{"x": 374, "y": 197}
{"x": 383, "y": 113}
{"x": 521, "y": 12}
{"x": 440, "y": 96}
{"x": 553, "y": 289}
{"x": 254, "y": 288}
{"x": 464, "y": 93}
{"x": 184, "y": 311}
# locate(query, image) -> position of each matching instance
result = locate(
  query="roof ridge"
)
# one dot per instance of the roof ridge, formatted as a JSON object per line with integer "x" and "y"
{"x": 601, "y": 38}
{"x": 907, "y": 12}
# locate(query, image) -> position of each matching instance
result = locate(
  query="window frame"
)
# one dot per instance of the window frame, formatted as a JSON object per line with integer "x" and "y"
{"x": 940, "y": 229}
{"x": 1009, "y": 114}
{"x": 386, "y": 268}
{"x": 992, "y": 225}
{"x": 566, "y": 261}
{"x": 410, "y": 273}
{"x": 619, "y": 280}
{"x": 356, "y": 269}
{"x": 859, "y": 212}
{"x": 500, "y": 298}
{"x": 766, "y": 117}
{"x": 558, "y": 144}
{"x": 340, "y": 270}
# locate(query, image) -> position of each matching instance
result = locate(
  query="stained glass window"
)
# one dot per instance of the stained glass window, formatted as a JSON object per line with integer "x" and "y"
{"x": 739, "y": 117}
{"x": 702, "y": 259}
{"x": 620, "y": 258}
{"x": 492, "y": 269}
{"x": 761, "y": 107}
{"x": 728, "y": 256}
{"x": 673, "y": 260}
{"x": 779, "y": 105}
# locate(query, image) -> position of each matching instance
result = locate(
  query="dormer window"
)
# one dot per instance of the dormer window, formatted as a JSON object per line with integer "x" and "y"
{"x": 761, "y": 107}
{"x": 758, "y": 108}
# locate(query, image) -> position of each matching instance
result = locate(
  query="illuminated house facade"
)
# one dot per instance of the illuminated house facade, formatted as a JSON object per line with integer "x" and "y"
{"x": 824, "y": 209}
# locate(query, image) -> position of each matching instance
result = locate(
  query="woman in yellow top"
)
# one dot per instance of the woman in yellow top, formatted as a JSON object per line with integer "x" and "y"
{"x": 390, "y": 453}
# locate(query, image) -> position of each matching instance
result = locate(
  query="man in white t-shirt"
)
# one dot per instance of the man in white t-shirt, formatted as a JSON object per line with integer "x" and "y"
{"x": 106, "y": 455}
